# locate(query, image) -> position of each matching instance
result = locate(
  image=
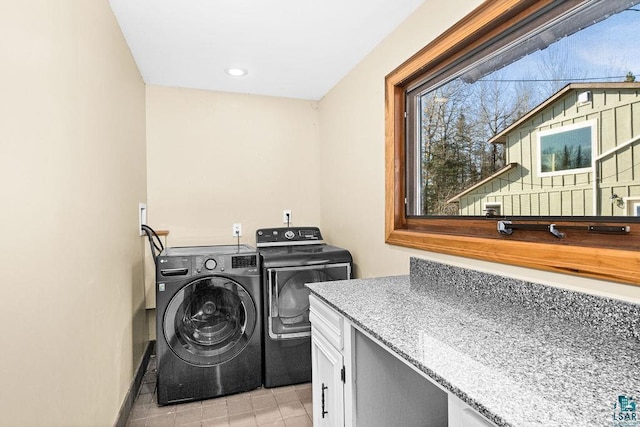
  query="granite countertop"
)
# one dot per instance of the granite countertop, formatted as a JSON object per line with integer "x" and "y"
{"x": 516, "y": 364}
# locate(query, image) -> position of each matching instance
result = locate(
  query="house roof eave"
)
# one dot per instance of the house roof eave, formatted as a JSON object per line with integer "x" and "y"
{"x": 501, "y": 138}
{"x": 507, "y": 168}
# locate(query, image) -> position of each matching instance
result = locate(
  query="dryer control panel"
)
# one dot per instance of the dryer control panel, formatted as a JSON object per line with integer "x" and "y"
{"x": 288, "y": 236}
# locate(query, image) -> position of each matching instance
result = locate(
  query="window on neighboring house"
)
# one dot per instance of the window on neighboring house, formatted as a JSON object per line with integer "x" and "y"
{"x": 632, "y": 204}
{"x": 493, "y": 209}
{"x": 567, "y": 149}
{"x": 529, "y": 110}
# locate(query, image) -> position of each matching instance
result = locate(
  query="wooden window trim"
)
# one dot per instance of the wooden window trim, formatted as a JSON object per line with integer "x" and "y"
{"x": 597, "y": 256}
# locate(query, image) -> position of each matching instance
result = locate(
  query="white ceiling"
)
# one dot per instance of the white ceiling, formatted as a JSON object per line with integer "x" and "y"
{"x": 291, "y": 48}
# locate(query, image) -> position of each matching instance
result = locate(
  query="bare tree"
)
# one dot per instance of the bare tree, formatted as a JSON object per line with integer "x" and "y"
{"x": 558, "y": 69}
{"x": 458, "y": 120}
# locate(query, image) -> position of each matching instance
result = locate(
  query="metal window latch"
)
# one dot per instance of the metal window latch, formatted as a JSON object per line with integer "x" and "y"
{"x": 553, "y": 230}
{"x": 506, "y": 228}
{"x": 502, "y": 228}
{"x": 610, "y": 229}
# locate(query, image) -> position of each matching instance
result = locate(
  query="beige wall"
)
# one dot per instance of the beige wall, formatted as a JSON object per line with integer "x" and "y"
{"x": 72, "y": 171}
{"x": 217, "y": 158}
{"x": 352, "y": 156}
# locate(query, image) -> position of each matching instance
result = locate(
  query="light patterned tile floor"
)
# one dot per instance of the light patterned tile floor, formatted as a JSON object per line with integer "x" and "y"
{"x": 288, "y": 406}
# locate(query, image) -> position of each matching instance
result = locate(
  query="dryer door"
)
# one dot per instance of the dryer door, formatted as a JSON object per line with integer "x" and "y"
{"x": 288, "y": 299}
{"x": 209, "y": 321}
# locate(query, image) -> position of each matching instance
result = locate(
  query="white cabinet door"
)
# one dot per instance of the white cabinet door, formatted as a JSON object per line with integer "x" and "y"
{"x": 462, "y": 415}
{"x": 328, "y": 388}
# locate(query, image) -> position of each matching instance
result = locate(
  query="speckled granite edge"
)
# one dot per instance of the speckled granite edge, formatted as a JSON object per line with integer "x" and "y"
{"x": 446, "y": 281}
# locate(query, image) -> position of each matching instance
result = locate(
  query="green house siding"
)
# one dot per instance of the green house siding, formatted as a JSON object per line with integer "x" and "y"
{"x": 615, "y": 114}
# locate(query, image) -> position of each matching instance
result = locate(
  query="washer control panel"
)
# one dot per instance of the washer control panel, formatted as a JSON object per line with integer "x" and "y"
{"x": 221, "y": 263}
{"x": 210, "y": 264}
{"x": 284, "y": 236}
{"x": 204, "y": 263}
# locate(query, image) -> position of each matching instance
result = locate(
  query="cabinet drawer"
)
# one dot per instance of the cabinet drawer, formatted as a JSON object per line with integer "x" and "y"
{"x": 326, "y": 321}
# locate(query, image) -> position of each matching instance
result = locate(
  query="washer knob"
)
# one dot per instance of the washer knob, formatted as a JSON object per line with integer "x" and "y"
{"x": 210, "y": 264}
{"x": 289, "y": 234}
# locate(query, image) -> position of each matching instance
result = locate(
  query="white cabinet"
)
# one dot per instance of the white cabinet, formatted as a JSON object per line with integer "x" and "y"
{"x": 328, "y": 388}
{"x": 327, "y": 363}
{"x": 462, "y": 415}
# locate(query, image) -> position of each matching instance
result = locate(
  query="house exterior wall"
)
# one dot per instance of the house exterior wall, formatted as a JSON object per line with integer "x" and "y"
{"x": 616, "y": 115}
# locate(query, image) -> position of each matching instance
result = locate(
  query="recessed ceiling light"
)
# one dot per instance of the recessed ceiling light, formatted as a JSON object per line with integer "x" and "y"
{"x": 236, "y": 72}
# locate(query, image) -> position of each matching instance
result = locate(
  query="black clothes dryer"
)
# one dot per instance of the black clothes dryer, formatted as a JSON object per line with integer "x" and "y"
{"x": 291, "y": 257}
{"x": 209, "y": 317}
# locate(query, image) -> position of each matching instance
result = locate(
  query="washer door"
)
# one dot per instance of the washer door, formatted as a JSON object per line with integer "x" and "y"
{"x": 209, "y": 321}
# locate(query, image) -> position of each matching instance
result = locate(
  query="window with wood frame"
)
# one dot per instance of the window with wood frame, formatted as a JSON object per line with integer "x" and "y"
{"x": 470, "y": 125}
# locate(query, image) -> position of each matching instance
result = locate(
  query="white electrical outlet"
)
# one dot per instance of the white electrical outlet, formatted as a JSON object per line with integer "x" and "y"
{"x": 237, "y": 230}
{"x": 286, "y": 216}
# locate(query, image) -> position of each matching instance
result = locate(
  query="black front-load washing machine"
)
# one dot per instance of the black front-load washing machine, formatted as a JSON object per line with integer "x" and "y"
{"x": 209, "y": 317}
